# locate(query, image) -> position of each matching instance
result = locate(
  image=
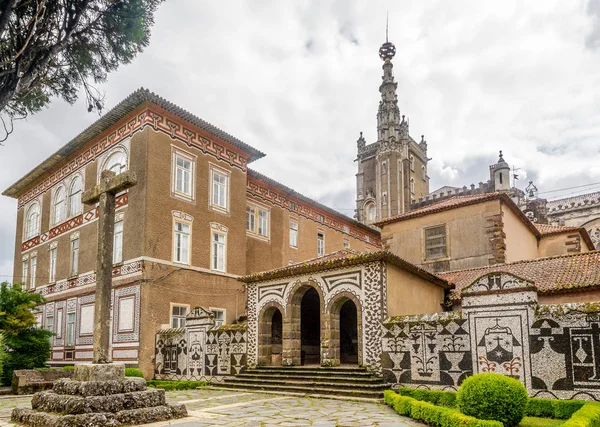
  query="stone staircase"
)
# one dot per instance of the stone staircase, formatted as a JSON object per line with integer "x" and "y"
{"x": 346, "y": 382}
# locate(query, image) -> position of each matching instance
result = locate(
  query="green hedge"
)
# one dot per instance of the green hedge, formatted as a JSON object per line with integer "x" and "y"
{"x": 543, "y": 408}
{"x": 437, "y": 416}
{"x": 587, "y": 416}
{"x": 133, "y": 372}
{"x": 176, "y": 385}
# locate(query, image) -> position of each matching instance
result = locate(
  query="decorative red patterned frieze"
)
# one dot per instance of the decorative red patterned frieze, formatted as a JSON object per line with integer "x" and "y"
{"x": 66, "y": 226}
{"x": 159, "y": 121}
{"x": 31, "y": 243}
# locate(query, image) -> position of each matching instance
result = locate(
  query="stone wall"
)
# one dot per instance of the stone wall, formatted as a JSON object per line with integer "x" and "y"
{"x": 553, "y": 349}
{"x": 200, "y": 351}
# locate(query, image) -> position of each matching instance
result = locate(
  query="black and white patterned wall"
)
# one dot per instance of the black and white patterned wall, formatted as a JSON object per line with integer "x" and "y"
{"x": 553, "y": 349}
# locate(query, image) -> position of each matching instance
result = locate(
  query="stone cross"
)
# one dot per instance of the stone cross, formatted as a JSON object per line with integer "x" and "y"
{"x": 104, "y": 194}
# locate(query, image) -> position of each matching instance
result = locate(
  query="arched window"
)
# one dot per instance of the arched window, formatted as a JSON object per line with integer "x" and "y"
{"x": 412, "y": 185}
{"x": 116, "y": 162}
{"x": 60, "y": 205}
{"x": 32, "y": 221}
{"x": 412, "y": 163}
{"x": 75, "y": 196}
{"x": 423, "y": 173}
{"x": 371, "y": 213}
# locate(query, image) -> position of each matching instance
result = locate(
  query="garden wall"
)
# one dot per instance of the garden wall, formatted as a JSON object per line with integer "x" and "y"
{"x": 553, "y": 349}
{"x": 200, "y": 352}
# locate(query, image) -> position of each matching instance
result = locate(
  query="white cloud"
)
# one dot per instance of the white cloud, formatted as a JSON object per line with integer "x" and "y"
{"x": 300, "y": 80}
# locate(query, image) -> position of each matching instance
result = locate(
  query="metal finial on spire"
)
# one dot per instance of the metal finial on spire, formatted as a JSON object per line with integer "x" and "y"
{"x": 387, "y": 20}
{"x": 387, "y": 50}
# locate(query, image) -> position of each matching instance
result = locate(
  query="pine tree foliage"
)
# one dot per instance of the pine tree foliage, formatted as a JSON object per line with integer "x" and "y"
{"x": 55, "y": 47}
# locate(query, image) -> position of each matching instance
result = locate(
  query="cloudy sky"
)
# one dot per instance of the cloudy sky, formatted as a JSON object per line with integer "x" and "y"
{"x": 299, "y": 81}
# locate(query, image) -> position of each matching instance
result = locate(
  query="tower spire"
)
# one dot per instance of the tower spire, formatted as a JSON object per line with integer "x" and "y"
{"x": 387, "y": 20}
{"x": 388, "y": 116}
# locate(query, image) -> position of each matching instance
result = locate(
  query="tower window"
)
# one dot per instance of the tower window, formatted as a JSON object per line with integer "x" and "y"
{"x": 435, "y": 242}
{"x": 412, "y": 163}
{"x": 500, "y": 176}
{"x": 412, "y": 186}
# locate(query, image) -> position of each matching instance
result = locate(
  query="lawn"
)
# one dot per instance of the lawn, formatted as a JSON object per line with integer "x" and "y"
{"x": 540, "y": 422}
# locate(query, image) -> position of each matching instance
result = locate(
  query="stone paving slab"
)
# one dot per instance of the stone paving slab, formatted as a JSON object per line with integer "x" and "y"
{"x": 225, "y": 408}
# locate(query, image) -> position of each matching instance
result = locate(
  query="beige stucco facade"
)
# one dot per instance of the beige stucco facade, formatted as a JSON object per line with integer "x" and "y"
{"x": 408, "y": 293}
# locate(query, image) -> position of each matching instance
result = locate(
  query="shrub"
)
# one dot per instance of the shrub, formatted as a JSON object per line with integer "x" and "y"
{"x": 587, "y": 416}
{"x": 552, "y": 408}
{"x": 493, "y": 397}
{"x": 69, "y": 368}
{"x": 133, "y": 372}
{"x": 437, "y": 416}
{"x": 437, "y": 397}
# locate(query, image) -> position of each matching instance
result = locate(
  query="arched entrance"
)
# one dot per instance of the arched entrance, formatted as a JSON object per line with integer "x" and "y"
{"x": 310, "y": 328}
{"x": 348, "y": 333}
{"x": 270, "y": 336}
{"x": 345, "y": 330}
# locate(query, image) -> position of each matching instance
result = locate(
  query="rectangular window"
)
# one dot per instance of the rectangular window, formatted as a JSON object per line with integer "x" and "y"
{"x": 181, "y": 243}
{"x": 118, "y": 243}
{"x": 346, "y": 244}
{"x": 218, "y": 252}
{"x": 220, "y": 189}
{"x": 59, "y": 323}
{"x": 52, "y": 273}
{"x": 183, "y": 175}
{"x": 86, "y": 323}
{"x": 25, "y": 271}
{"x": 263, "y": 222}
{"x": 219, "y": 314}
{"x": 250, "y": 218}
{"x": 178, "y": 313}
{"x": 74, "y": 257}
{"x": 50, "y": 325}
{"x": 33, "y": 271}
{"x": 70, "y": 330}
{"x": 435, "y": 242}
{"x": 293, "y": 234}
{"x": 320, "y": 218}
{"x": 126, "y": 314}
{"x": 320, "y": 244}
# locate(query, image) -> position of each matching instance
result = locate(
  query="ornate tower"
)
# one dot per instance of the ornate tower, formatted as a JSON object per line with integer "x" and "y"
{"x": 392, "y": 172}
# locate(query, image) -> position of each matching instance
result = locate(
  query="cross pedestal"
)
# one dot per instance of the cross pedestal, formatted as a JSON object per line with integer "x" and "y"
{"x": 104, "y": 194}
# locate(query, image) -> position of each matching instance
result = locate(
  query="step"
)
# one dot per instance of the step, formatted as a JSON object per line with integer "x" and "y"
{"x": 313, "y": 368}
{"x": 314, "y": 394}
{"x": 316, "y": 378}
{"x": 320, "y": 372}
{"x": 375, "y": 394}
{"x": 307, "y": 383}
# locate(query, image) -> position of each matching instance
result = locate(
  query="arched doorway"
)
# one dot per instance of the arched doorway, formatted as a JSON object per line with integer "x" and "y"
{"x": 310, "y": 328}
{"x": 270, "y": 335}
{"x": 345, "y": 319}
{"x": 348, "y": 333}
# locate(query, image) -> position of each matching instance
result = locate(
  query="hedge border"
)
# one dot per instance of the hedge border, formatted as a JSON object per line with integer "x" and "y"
{"x": 438, "y": 416}
{"x": 587, "y": 416}
{"x": 169, "y": 385}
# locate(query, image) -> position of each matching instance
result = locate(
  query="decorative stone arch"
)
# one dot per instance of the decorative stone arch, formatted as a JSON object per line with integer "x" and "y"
{"x": 292, "y": 347}
{"x": 265, "y": 332}
{"x": 331, "y": 353}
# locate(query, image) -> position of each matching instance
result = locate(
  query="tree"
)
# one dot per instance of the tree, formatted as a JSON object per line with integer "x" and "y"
{"x": 55, "y": 47}
{"x": 27, "y": 345}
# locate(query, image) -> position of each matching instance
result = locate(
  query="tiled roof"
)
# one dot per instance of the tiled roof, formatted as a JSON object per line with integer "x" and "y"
{"x": 342, "y": 259}
{"x": 556, "y": 274}
{"x": 122, "y": 109}
{"x": 308, "y": 200}
{"x": 555, "y": 229}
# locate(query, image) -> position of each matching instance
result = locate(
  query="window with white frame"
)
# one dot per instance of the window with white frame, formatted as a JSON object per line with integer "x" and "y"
{"x": 75, "y": 206}
{"x": 178, "y": 313}
{"x": 181, "y": 242}
{"x": 59, "y": 323}
{"x": 263, "y": 222}
{"x": 33, "y": 271}
{"x": 75, "y": 256}
{"x": 50, "y": 324}
{"x": 32, "y": 221}
{"x": 25, "y": 271}
{"x": 346, "y": 244}
{"x": 219, "y": 314}
{"x": 293, "y": 233}
{"x": 250, "y": 219}
{"x": 183, "y": 171}
{"x": 60, "y": 205}
{"x": 219, "y": 189}
{"x": 320, "y": 243}
{"x": 218, "y": 251}
{"x": 70, "y": 330}
{"x": 116, "y": 162}
{"x": 412, "y": 186}
{"x": 412, "y": 163}
{"x": 118, "y": 243}
{"x": 435, "y": 242}
{"x": 52, "y": 272}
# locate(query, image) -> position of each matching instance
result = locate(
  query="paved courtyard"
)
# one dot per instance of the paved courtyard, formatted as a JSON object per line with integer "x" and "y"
{"x": 238, "y": 409}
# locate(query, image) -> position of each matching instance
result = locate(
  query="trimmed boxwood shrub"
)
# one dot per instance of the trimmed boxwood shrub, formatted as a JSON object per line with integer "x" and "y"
{"x": 587, "y": 416}
{"x": 493, "y": 397}
{"x": 133, "y": 372}
{"x": 176, "y": 385}
{"x": 69, "y": 368}
{"x": 437, "y": 397}
{"x": 553, "y": 408}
